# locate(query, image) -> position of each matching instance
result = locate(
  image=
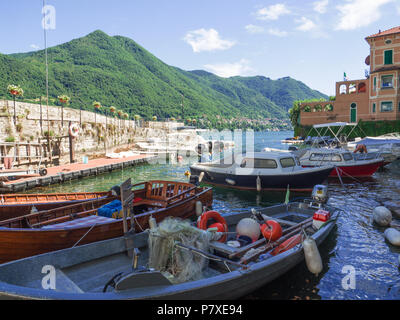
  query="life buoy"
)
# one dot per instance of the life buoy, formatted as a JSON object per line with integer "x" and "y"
{"x": 202, "y": 223}
{"x": 271, "y": 230}
{"x": 361, "y": 148}
{"x": 288, "y": 244}
{"x": 74, "y": 130}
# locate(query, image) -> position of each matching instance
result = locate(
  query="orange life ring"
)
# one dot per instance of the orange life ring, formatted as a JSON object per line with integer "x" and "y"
{"x": 288, "y": 244}
{"x": 74, "y": 130}
{"x": 202, "y": 223}
{"x": 361, "y": 148}
{"x": 271, "y": 230}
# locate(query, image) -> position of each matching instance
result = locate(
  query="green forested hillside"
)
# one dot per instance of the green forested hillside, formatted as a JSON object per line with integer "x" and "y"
{"x": 117, "y": 71}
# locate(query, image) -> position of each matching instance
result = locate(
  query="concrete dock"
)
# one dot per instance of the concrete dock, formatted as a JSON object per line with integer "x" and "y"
{"x": 59, "y": 174}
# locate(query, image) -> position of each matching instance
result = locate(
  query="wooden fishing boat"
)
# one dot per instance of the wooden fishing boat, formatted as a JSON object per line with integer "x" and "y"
{"x": 15, "y": 205}
{"x": 82, "y": 223}
{"x": 111, "y": 269}
{"x": 261, "y": 171}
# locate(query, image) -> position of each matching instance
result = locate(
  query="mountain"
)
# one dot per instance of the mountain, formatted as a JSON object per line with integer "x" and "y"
{"x": 117, "y": 71}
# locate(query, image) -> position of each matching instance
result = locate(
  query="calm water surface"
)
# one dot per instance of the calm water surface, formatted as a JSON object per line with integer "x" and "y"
{"x": 355, "y": 241}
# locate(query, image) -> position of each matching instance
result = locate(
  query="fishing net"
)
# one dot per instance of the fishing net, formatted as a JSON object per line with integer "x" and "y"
{"x": 176, "y": 263}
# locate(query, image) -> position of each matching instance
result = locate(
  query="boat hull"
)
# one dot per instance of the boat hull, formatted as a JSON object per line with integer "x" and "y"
{"x": 300, "y": 181}
{"x": 356, "y": 171}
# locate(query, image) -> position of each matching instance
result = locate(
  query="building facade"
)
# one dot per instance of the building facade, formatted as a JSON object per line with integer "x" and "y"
{"x": 375, "y": 98}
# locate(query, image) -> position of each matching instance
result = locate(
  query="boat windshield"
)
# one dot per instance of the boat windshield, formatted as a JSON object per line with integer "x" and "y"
{"x": 347, "y": 156}
{"x": 259, "y": 163}
{"x": 331, "y": 157}
{"x": 287, "y": 162}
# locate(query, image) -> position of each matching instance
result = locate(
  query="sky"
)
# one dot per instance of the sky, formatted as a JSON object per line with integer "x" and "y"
{"x": 313, "y": 41}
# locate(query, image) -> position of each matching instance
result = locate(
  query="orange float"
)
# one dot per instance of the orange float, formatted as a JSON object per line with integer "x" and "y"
{"x": 288, "y": 244}
{"x": 220, "y": 224}
{"x": 271, "y": 230}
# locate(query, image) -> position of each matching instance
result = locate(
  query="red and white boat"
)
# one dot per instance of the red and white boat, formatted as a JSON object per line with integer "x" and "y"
{"x": 346, "y": 165}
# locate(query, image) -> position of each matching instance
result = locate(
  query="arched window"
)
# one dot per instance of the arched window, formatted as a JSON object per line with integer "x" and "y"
{"x": 328, "y": 107}
{"x": 307, "y": 109}
{"x": 343, "y": 89}
{"x": 352, "y": 88}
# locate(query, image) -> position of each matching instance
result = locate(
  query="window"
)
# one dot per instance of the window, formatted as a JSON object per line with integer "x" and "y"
{"x": 386, "y": 106}
{"x": 374, "y": 107}
{"x": 287, "y": 162}
{"x": 328, "y": 107}
{"x": 374, "y": 84}
{"x": 387, "y": 81}
{"x": 388, "y": 41}
{"x": 259, "y": 163}
{"x": 352, "y": 88}
{"x": 399, "y": 106}
{"x": 388, "y": 57}
{"x": 347, "y": 156}
{"x": 325, "y": 157}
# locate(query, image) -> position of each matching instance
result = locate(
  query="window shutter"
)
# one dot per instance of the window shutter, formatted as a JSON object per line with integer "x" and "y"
{"x": 389, "y": 57}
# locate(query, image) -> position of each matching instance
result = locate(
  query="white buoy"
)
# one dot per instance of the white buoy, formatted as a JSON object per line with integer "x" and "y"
{"x": 199, "y": 208}
{"x": 393, "y": 236}
{"x": 312, "y": 256}
{"x": 258, "y": 181}
{"x": 248, "y": 227}
{"x": 382, "y": 216}
{"x": 230, "y": 181}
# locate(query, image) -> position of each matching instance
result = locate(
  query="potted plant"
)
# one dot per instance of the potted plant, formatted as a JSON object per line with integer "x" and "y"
{"x": 15, "y": 91}
{"x": 64, "y": 99}
{"x": 97, "y": 107}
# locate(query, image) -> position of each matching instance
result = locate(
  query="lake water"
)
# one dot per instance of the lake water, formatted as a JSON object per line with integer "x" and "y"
{"x": 355, "y": 243}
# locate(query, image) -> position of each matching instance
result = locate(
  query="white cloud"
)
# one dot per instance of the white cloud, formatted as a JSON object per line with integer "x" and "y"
{"x": 359, "y": 13}
{"x": 305, "y": 24}
{"x": 34, "y": 46}
{"x": 251, "y": 28}
{"x": 277, "y": 32}
{"x": 227, "y": 70}
{"x": 272, "y": 12}
{"x": 207, "y": 40}
{"x": 320, "y": 6}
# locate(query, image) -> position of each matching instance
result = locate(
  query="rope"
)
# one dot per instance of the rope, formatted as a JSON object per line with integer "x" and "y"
{"x": 84, "y": 235}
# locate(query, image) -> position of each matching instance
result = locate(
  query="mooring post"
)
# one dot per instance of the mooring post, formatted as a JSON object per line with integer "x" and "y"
{"x": 71, "y": 146}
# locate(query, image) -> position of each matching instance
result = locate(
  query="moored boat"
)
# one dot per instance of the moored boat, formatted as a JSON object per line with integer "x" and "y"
{"x": 86, "y": 222}
{"x": 15, "y": 205}
{"x": 261, "y": 171}
{"x": 346, "y": 165}
{"x": 209, "y": 268}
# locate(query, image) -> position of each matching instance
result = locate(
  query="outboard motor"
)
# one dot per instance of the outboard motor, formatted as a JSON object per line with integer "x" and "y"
{"x": 194, "y": 180}
{"x": 320, "y": 194}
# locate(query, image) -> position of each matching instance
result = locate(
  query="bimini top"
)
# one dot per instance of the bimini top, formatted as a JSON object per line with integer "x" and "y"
{"x": 334, "y": 124}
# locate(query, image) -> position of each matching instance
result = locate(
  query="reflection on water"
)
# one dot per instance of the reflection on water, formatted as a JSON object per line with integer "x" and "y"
{"x": 355, "y": 241}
